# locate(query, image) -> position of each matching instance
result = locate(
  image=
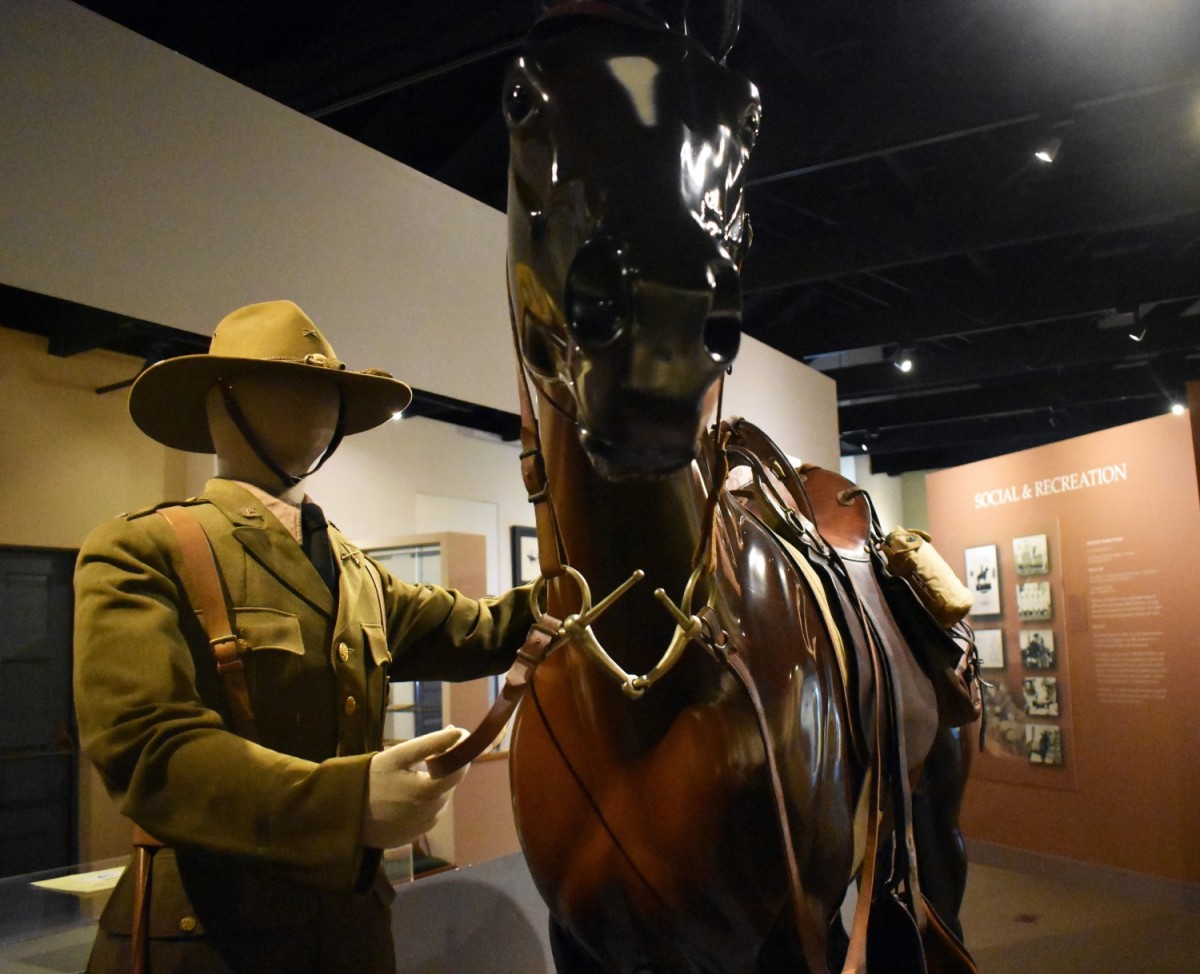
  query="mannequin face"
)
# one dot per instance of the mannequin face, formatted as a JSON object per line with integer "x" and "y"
{"x": 293, "y": 417}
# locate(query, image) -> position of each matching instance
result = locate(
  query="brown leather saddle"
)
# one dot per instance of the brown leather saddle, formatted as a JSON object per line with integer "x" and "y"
{"x": 894, "y": 655}
{"x": 827, "y": 540}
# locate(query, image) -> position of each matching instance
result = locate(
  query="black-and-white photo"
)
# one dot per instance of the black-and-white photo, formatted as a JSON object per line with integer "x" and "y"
{"x": 1041, "y": 696}
{"x": 1037, "y": 649}
{"x": 1033, "y": 601}
{"x": 983, "y": 580}
{"x": 1043, "y": 744}
{"x": 525, "y": 565}
{"x": 1030, "y": 555}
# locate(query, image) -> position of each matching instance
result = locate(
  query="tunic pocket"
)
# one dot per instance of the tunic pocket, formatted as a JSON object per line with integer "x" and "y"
{"x": 264, "y": 628}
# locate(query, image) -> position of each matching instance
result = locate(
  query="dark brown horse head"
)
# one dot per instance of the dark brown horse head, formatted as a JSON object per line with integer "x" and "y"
{"x": 629, "y": 143}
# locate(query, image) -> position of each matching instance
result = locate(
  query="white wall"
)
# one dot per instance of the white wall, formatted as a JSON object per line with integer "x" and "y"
{"x": 137, "y": 181}
{"x": 140, "y": 182}
{"x": 795, "y": 405}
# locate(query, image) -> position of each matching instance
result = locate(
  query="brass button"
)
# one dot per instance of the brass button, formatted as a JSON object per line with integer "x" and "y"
{"x": 187, "y": 924}
{"x": 351, "y": 706}
{"x": 345, "y": 652}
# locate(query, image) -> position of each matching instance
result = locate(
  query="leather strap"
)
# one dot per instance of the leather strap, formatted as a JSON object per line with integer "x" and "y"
{"x": 203, "y": 581}
{"x": 255, "y": 444}
{"x": 542, "y": 640}
{"x": 856, "y": 953}
{"x": 144, "y": 848}
{"x": 812, "y": 937}
{"x": 551, "y": 556}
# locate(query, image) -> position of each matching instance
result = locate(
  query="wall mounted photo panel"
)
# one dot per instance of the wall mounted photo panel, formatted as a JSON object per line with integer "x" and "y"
{"x": 1031, "y": 555}
{"x": 1043, "y": 743}
{"x": 1041, "y": 696}
{"x": 1033, "y": 601}
{"x": 983, "y": 579}
{"x": 525, "y": 563}
{"x": 1037, "y": 649}
{"x": 990, "y": 645}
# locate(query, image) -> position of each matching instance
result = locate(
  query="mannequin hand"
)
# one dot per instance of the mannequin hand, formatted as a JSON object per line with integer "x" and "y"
{"x": 403, "y": 801}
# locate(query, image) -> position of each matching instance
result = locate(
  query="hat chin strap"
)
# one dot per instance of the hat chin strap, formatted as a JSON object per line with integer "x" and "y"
{"x": 243, "y": 426}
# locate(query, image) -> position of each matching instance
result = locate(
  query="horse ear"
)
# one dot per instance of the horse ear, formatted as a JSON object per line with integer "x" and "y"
{"x": 712, "y": 23}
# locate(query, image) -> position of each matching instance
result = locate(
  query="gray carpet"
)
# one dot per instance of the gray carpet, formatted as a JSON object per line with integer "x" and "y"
{"x": 1026, "y": 914}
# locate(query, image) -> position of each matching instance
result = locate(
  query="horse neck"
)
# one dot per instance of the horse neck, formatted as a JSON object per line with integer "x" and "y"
{"x": 609, "y": 529}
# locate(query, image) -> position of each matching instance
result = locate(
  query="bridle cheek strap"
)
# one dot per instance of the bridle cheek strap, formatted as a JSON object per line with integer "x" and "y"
{"x": 255, "y": 444}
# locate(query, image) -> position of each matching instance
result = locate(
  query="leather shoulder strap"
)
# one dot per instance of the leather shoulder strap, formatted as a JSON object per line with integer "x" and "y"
{"x": 203, "y": 581}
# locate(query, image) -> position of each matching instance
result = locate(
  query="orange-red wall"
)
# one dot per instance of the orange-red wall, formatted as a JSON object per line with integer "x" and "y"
{"x": 1121, "y": 515}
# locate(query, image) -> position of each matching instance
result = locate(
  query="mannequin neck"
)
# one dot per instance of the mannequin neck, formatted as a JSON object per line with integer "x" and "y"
{"x": 251, "y": 470}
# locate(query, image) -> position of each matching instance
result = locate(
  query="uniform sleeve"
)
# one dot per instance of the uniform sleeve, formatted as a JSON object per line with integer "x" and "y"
{"x": 167, "y": 758}
{"x": 440, "y": 634}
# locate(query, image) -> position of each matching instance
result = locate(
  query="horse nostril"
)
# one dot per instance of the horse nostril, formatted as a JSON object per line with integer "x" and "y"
{"x": 597, "y": 292}
{"x": 723, "y": 329}
{"x": 722, "y": 336}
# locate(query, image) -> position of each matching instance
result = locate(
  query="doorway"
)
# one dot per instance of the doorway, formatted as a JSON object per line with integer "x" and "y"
{"x": 39, "y": 763}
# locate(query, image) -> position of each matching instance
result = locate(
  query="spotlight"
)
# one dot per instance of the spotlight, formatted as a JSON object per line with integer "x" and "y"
{"x": 1048, "y": 152}
{"x": 1138, "y": 333}
{"x": 1178, "y": 408}
{"x": 904, "y": 364}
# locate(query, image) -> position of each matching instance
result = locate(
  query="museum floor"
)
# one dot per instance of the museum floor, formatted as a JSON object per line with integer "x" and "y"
{"x": 1027, "y": 914}
{"x": 1023, "y": 914}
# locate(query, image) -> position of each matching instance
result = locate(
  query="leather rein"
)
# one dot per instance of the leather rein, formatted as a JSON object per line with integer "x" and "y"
{"x": 549, "y": 633}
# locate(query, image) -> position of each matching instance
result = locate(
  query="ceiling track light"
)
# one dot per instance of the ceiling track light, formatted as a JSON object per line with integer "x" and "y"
{"x": 1047, "y": 152}
{"x": 902, "y": 361}
{"x": 1138, "y": 332}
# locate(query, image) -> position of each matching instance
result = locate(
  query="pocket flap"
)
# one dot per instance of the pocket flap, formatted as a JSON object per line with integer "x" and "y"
{"x": 376, "y": 640}
{"x": 269, "y": 629}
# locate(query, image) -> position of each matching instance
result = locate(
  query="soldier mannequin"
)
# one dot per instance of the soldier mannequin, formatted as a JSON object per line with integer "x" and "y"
{"x": 271, "y": 858}
{"x": 295, "y": 418}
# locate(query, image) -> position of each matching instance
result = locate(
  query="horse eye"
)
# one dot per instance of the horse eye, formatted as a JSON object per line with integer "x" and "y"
{"x": 750, "y": 123}
{"x": 517, "y": 103}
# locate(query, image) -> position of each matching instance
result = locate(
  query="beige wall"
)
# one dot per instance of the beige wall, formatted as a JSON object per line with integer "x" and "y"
{"x": 1117, "y": 516}
{"x": 73, "y": 458}
{"x": 140, "y": 182}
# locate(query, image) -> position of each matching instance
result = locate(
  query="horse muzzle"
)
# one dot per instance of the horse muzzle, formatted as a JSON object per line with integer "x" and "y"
{"x": 601, "y": 300}
{"x": 644, "y": 352}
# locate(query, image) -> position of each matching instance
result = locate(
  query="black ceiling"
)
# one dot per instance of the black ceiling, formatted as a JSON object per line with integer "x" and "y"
{"x": 896, "y": 201}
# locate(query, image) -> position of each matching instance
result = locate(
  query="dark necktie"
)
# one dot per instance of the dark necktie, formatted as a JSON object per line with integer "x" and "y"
{"x": 316, "y": 543}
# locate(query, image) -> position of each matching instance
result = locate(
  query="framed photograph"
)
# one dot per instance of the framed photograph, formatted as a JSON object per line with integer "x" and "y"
{"x": 1033, "y": 601}
{"x": 982, "y": 580}
{"x": 1041, "y": 696}
{"x": 1030, "y": 555}
{"x": 525, "y": 564}
{"x": 990, "y": 645}
{"x": 1037, "y": 649}
{"x": 1043, "y": 744}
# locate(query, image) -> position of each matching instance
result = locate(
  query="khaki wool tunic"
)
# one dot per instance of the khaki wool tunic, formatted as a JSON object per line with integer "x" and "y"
{"x": 263, "y": 856}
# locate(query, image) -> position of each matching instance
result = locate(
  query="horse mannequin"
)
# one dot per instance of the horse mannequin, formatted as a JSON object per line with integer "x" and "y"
{"x": 643, "y": 803}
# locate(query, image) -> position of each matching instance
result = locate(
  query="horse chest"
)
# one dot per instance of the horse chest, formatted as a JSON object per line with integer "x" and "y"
{"x": 610, "y": 832}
